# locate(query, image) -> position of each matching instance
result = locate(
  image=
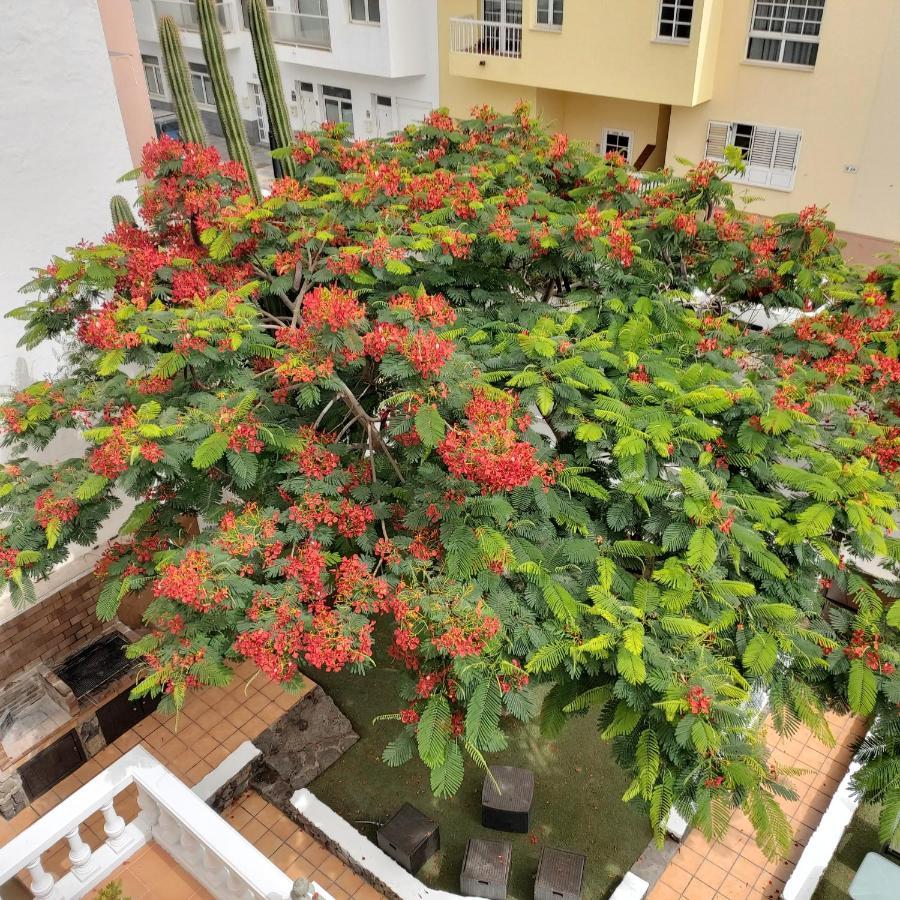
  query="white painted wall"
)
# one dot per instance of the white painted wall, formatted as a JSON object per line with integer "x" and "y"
{"x": 62, "y": 147}
{"x": 397, "y": 59}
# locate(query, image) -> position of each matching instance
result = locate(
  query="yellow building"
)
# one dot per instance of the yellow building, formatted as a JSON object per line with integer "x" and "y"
{"x": 809, "y": 89}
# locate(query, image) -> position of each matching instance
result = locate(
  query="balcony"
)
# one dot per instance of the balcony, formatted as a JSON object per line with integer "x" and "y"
{"x": 195, "y": 842}
{"x": 300, "y": 29}
{"x": 185, "y": 14}
{"x": 484, "y": 38}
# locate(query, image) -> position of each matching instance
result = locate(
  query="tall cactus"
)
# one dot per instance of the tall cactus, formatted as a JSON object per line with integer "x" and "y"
{"x": 226, "y": 101}
{"x": 189, "y": 122}
{"x": 270, "y": 80}
{"x": 120, "y": 211}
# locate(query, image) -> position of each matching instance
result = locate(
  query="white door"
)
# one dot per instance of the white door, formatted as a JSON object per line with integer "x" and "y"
{"x": 384, "y": 115}
{"x": 259, "y": 108}
{"x": 307, "y": 106}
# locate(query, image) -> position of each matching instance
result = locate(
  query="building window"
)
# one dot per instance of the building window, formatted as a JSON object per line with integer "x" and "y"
{"x": 270, "y": 4}
{"x": 675, "y": 17}
{"x": 202, "y": 85}
{"x": 618, "y": 142}
{"x": 786, "y": 32}
{"x": 550, "y": 13}
{"x": 153, "y": 74}
{"x": 770, "y": 154}
{"x": 368, "y": 11}
{"x": 338, "y": 107}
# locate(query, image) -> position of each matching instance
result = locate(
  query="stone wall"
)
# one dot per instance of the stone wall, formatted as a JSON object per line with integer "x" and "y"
{"x": 51, "y": 628}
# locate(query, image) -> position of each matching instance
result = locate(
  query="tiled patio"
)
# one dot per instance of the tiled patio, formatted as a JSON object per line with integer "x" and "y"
{"x": 152, "y": 874}
{"x": 735, "y": 868}
{"x": 213, "y": 723}
{"x": 293, "y": 850}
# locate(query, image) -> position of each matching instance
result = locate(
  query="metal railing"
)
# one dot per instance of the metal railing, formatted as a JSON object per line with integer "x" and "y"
{"x": 185, "y": 14}
{"x": 302, "y": 29}
{"x": 197, "y": 838}
{"x": 484, "y": 38}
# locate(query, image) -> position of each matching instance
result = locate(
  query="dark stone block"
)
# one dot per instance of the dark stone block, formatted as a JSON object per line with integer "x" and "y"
{"x": 506, "y": 799}
{"x": 485, "y": 869}
{"x": 410, "y": 838}
{"x": 560, "y": 875}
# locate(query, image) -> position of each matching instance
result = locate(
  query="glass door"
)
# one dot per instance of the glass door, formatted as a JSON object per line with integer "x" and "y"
{"x": 505, "y": 37}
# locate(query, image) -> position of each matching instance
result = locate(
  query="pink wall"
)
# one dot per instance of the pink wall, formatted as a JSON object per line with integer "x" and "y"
{"x": 128, "y": 73}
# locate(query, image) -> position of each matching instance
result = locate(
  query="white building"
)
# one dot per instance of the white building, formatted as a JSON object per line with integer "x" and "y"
{"x": 370, "y": 63}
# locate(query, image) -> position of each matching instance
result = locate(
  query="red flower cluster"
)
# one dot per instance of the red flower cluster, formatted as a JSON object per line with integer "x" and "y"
{"x": 433, "y": 307}
{"x": 489, "y": 452}
{"x": 863, "y": 647}
{"x": 191, "y": 582}
{"x": 700, "y": 704}
{"x": 332, "y": 306}
{"x": 426, "y": 352}
{"x": 48, "y": 507}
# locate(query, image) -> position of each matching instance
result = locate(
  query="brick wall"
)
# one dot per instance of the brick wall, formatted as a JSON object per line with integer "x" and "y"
{"x": 52, "y": 628}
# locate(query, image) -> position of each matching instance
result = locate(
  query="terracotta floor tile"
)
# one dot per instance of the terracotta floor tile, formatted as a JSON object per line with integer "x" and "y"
{"x": 253, "y": 831}
{"x": 252, "y": 802}
{"x": 208, "y": 719}
{"x": 688, "y": 859}
{"x": 272, "y": 712}
{"x": 332, "y": 867}
{"x": 676, "y": 877}
{"x": 285, "y": 700}
{"x": 254, "y": 726}
{"x": 268, "y": 843}
{"x": 746, "y": 871}
{"x": 367, "y": 892}
{"x": 709, "y": 873}
{"x": 240, "y": 717}
{"x": 283, "y": 857}
{"x": 269, "y": 815}
{"x": 204, "y": 746}
{"x": 722, "y": 855}
{"x": 299, "y": 840}
{"x": 733, "y": 888}
{"x": 335, "y": 890}
{"x": 697, "y": 890}
{"x": 299, "y": 868}
{"x": 316, "y": 854}
{"x": 660, "y": 891}
{"x": 257, "y": 703}
{"x": 284, "y": 827}
{"x": 350, "y": 881}
{"x": 238, "y": 816}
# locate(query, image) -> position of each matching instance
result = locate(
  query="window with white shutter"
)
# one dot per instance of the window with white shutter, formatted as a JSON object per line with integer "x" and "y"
{"x": 770, "y": 154}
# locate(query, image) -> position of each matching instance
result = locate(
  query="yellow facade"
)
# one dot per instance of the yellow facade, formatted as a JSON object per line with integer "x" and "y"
{"x": 606, "y": 69}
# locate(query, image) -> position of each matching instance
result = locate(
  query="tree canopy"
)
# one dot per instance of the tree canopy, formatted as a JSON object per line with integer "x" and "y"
{"x": 507, "y": 396}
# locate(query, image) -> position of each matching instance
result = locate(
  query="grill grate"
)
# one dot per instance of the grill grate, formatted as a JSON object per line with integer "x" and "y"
{"x": 96, "y": 665}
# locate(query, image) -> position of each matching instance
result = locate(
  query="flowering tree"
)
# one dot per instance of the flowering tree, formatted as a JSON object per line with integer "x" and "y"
{"x": 493, "y": 389}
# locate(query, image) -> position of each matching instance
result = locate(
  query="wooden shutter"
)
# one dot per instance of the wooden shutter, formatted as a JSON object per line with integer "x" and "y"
{"x": 784, "y": 163}
{"x": 717, "y": 139}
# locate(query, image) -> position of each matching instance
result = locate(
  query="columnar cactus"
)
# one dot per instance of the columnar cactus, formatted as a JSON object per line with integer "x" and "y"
{"x": 270, "y": 80}
{"x": 120, "y": 211}
{"x": 226, "y": 101}
{"x": 189, "y": 122}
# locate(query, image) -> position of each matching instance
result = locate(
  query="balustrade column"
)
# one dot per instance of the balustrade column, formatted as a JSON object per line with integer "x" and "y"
{"x": 79, "y": 853}
{"x": 113, "y": 826}
{"x": 41, "y": 881}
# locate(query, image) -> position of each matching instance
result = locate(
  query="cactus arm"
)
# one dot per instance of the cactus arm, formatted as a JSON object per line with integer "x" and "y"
{"x": 226, "y": 101}
{"x": 270, "y": 80}
{"x": 178, "y": 76}
{"x": 120, "y": 211}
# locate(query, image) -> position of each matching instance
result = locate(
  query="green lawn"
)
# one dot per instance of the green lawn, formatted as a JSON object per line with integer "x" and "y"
{"x": 860, "y": 837}
{"x": 577, "y": 791}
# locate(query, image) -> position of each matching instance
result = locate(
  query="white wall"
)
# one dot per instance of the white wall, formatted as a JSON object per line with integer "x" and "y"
{"x": 397, "y": 59}
{"x": 62, "y": 147}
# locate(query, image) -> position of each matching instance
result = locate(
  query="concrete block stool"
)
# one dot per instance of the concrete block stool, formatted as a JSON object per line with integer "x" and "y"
{"x": 485, "y": 869}
{"x": 506, "y": 799}
{"x": 560, "y": 875}
{"x": 410, "y": 838}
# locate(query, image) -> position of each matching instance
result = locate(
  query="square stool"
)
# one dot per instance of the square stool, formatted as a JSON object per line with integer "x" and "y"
{"x": 560, "y": 875}
{"x": 506, "y": 799}
{"x": 485, "y": 869}
{"x": 410, "y": 837}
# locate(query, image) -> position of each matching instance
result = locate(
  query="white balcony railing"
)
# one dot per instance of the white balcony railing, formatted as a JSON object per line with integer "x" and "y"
{"x": 302, "y": 29}
{"x": 196, "y": 837}
{"x": 485, "y": 38}
{"x": 184, "y": 12}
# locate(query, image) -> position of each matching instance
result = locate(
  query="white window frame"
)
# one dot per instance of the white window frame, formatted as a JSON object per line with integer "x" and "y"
{"x": 209, "y": 94}
{"x": 549, "y": 25}
{"x": 770, "y": 162}
{"x": 676, "y": 5}
{"x": 341, "y": 101}
{"x": 152, "y": 62}
{"x": 367, "y": 20}
{"x": 783, "y": 37}
{"x": 393, "y": 106}
{"x": 618, "y": 132}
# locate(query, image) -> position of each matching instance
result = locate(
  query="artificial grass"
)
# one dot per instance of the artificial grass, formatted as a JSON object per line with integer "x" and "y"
{"x": 860, "y": 838}
{"x": 577, "y": 803}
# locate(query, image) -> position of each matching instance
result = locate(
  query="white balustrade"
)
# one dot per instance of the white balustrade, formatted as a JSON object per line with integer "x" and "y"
{"x": 195, "y": 836}
{"x": 185, "y": 14}
{"x": 485, "y": 38}
{"x": 301, "y": 29}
